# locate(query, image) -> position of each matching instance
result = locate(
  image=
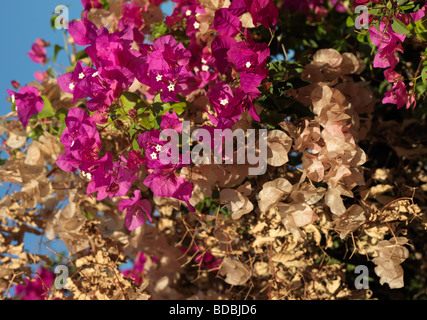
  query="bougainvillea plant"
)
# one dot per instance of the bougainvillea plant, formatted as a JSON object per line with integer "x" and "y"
{"x": 144, "y": 149}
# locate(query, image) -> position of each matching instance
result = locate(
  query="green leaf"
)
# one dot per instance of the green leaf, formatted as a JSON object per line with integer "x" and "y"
{"x": 80, "y": 55}
{"x": 61, "y": 114}
{"x": 130, "y": 101}
{"x": 57, "y": 50}
{"x": 421, "y": 30}
{"x": 424, "y": 75}
{"x": 277, "y": 66}
{"x": 105, "y": 4}
{"x": 47, "y": 109}
{"x": 148, "y": 122}
{"x": 159, "y": 29}
{"x": 36, "y": 133}
{"x": 52, "y": 22}
{"x": 135, "y": 145}
{"x": 157, "y": 99}
{"x": 178, "y": 107}
{"x": 349, "y": 22}
{"x": 87, "y": 214}
{"x": 399, "y": 27}
{"x": 407, "y": 8}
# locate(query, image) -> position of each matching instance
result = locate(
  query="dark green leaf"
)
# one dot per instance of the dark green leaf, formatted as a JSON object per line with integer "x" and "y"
{"x": 424, "y": 75}
{"x": 57, "y": 50}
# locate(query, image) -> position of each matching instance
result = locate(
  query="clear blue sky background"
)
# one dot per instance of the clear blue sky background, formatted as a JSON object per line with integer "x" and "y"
{"x": 22, "y": 22}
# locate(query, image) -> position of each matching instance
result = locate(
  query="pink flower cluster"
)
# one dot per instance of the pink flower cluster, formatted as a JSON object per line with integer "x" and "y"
{"x": 314, "y": 9}
{"x": 137, "y": 272}
{"x": 38, "y": 51}
{"x": 36, "y": 288}
{"x": 204, "y": 259}
{"x": 28, "y": 102}
{"x": 389, "y": 43}
{"x": 168, "y": 69}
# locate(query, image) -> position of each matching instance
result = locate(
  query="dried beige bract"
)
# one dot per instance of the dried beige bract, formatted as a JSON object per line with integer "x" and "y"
{"x": 391, "y": 254}
{"x": 278, "y": 146}
{"x": 273, "y": 192}
{"x": 235, "y": 272}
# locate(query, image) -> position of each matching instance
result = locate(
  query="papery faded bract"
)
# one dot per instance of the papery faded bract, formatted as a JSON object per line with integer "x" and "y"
{"x": 353, "y": 218}
{"x": 334, "y": 201}
{"x": 235, "y": 272}
{"x": 296, "y": 215}
{"x": 315, "y": 168}
{"x": 278, "y": 146}
{"x": 273, "y": 192}
{"x": 236, "y": 202}
{"x": 391, "y": 253}
{"x": 327, "y": 56}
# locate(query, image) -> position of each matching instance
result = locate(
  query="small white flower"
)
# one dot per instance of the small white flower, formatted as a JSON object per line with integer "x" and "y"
{"x": 81, "y": 75}
{"x": 87, "y": 175}
{"x": 72, "y": 86}
{"x": 95, "y": 74}
{"x": 72, "y": 143}
{"x": 158, "y": 148}
{"x": 196, "y": 25}
{"x": 197, "y": 14}
{"x": 188, "y": 13}
{"x": 224, "y": 102}
{"x": 13, "y": 98}
{"x": 205, "y": 68}
{"x": 203, "y": 61}
{"x": 159, "y": 77}
{"x": 153, "y": 156}
{"x": 196, "y": 69}
{"x": 248, "y": 64}
{"x": 171, "y": 87}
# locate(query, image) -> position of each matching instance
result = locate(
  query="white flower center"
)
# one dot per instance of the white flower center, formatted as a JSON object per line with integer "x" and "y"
{"x": 224, "y": 102}
{"x": 196, "y": 25}
{"x": 95, "y": 74}
{"x": 171, "y": 87}
{"x": 159, "y": 78}
{"x": 87, "y": 175}
{"x": 158, "y": 148}
{"x": 248, "y": 64}
{"x": 188, "y": 13}
{"x": 13, "y": 98}
{"x": 81, "y": 76}
{"x": 205, "y": 68}
{"x": 72, "y": 86}
{"x": 203, "y": 61}
{"x": 196, "y": 69}
{"x": 153, "y": 156}
{"x": 72, "y": 143}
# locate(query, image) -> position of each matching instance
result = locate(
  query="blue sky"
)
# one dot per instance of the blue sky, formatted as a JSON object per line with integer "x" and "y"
{"x": 22, "y": 22}
{"x": 25, "y": 21}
